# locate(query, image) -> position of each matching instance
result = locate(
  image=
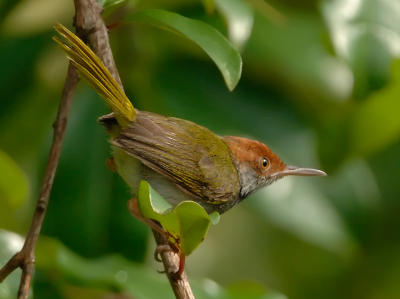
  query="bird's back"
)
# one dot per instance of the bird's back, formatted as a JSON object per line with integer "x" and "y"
{"x": 192, "y": 157}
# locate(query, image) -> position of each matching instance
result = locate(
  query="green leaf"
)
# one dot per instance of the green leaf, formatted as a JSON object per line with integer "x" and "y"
{"x": 194, "y": 223}
{"x": 14, "y": 185}
{"x": 10, "y": 244}
{"x": 153, "y": 206}
{"x": 366, "y": 34}
{"x": 220, "y": 50}
{"x": 239, "y": 17}
{"x": 188, "y": 222}
{"x": 376, "y": 122}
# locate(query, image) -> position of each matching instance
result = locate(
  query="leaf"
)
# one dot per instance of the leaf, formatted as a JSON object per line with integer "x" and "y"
{"x": 153, "y": 206}
{"x": 239, "y": 17}
{"x": 366, "y": 34}
{"x": 188, "y": 222}
{"x": 194, "y": 223}
{"x": 220, "y": 50}
{"x": 13, "y": 185}
{"x": 376, "y": 122}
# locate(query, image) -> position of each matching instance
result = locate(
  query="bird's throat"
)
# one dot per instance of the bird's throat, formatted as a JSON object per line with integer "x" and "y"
{"x": 249, "y": 179}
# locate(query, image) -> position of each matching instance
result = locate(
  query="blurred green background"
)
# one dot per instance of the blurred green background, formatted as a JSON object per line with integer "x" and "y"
{"x": 320, "y": 86}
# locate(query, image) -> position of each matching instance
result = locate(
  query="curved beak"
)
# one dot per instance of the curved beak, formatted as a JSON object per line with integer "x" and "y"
{"x": 300, "y": 171}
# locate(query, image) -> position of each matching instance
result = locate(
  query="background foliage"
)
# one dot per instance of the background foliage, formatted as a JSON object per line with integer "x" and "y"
{"x": 320, "y": 85}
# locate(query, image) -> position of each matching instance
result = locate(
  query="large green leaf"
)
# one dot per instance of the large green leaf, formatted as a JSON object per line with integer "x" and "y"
{"x": 208, "y": 38}
{"x": 188, "y": 222}
{"x": 193, "y": 225}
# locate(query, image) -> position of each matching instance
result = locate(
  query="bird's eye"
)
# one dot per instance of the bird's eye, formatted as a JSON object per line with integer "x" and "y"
{"x": 265, "y": 162}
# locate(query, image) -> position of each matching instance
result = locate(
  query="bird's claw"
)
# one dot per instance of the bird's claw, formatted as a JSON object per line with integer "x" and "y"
{"x": 134, "y": 209}
{"x": 159, "y": 250}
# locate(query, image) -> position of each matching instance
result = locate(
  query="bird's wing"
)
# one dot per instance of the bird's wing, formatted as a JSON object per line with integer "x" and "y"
{"x": 193, "y": 157}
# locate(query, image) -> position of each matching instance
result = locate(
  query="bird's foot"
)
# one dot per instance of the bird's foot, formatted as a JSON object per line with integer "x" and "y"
{"x": 163, "y": 248}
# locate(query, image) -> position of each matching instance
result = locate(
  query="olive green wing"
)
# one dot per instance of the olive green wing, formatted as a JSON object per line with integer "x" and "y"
{"x": 193, "y": 157}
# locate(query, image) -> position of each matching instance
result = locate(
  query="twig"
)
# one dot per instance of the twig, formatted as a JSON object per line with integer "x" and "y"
{"x": 179, "y": 283}
{"x": 25, "y": 259}
{"x": 86, "y": 13}
{"x": 99, "y": 42}
{"x": 171, "y": 260}
{"x": 90, "y": 26}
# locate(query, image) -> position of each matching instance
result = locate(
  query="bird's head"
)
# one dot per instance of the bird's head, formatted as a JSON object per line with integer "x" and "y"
{"x": 258, "y": 166}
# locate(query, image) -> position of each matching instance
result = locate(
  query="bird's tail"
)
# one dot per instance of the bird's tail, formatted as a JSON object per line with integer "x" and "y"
{"x": 93, "y": 69}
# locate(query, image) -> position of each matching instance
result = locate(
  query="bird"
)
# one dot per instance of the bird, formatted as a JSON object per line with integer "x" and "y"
{"x": 180, "y": 159}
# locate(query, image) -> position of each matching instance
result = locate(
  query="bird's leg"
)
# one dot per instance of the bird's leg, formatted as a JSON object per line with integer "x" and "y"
{"x": 134, "y": 209}
{"x": 160, "y": 249}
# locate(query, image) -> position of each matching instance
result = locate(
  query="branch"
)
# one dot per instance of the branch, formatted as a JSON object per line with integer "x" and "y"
{"x": 25, "y": 259}
{"x": 98, "y": 40}
{"x": 90, "y": 27}
{"x": 87, "y": 13}
{"x": 179, "y": 283}
{"x": 171, "y": 260}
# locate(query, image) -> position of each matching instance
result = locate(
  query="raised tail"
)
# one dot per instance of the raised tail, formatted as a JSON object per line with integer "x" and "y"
{"x": 93, "y": 69}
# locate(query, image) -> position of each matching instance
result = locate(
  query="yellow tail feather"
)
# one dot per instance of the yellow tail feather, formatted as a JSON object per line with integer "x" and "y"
{"x": 93, "y": 69}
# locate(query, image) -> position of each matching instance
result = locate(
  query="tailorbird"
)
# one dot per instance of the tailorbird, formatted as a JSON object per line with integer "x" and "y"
{"x": 180, "y": 159}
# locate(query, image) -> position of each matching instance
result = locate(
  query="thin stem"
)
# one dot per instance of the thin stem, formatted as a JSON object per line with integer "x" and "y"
{"x": 25, "y": 259}
{"x": 171, "y": 260}
{"x": 89, "y": 26}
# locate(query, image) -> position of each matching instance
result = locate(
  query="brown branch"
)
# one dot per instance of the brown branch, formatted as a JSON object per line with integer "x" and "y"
{"x": 25, "y": 259}
{"x": 90, "y": 27}
{"x": 99, "y": 42}
{"x": 179, "y": 283}
{"x": 171, "y": 260}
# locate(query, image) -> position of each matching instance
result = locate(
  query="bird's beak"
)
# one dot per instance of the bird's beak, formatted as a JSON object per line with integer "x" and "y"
{"x": 299, "y": 171}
